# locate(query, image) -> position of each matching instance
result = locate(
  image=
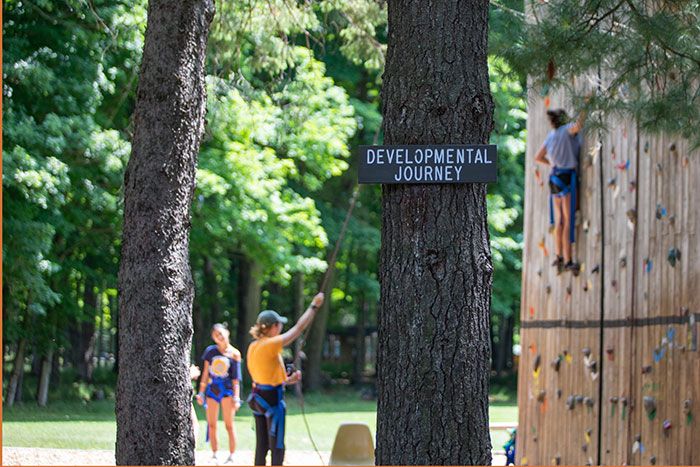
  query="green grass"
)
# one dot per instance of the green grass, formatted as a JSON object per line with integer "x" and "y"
{"x": 91, "y": 425}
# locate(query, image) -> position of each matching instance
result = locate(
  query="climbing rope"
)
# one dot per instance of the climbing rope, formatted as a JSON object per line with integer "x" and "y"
{"x": 324, "y": 283}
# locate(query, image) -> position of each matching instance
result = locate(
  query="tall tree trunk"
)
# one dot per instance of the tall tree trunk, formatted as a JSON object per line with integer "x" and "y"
{"x": 249, "y": 290}
{"x": 200, "y": 329}
{"x": 45, "y": 377}
{"x": 298, "y": 294}
{"x": 55, "y": 374}
{"x": 81, "y": 333}
{"x": 505, "y": 343}
{"x": 211, "y": 289}
{"x": 114, "y": 313}
{"x": 14, "y": 386}
{"x": 314, "y": 343}
{"x": 359, "y": 366}
{"x": 154, "y": 392}
{"x": 99, "y": 347}
{"x": 436, "y": 270}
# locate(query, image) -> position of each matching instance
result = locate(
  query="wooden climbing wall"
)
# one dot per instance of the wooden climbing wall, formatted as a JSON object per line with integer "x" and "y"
{"x": 595, "y": 345}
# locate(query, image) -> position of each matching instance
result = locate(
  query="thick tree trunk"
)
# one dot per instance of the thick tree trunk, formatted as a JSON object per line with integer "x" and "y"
{"x": 154, "y": 393}
{"x": 14, "y": 386}
{"x": 45, "y": 378}
{"x": 436, "y": 269}
{"x": 249, "y": 278}
{"x": 313, "y": 347}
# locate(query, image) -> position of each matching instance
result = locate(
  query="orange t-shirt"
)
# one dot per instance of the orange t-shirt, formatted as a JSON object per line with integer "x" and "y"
{"x": 265, "y": 362}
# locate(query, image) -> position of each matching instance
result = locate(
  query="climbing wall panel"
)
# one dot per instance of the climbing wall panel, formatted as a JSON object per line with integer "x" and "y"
{"x": 630, "y": 308}
{"x": 666, "y": 368}
{"x": 563, "y": 375}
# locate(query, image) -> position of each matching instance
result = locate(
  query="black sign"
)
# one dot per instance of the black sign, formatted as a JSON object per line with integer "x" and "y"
{"x": 450, "y": 163}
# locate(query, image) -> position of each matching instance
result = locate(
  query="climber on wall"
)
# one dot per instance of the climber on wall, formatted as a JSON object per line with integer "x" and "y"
{"x": 561, "y": 150}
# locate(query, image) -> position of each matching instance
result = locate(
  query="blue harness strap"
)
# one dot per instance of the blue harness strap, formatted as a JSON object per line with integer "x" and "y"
{"x": 275, "y": 412}
{"x": 223, "y": 392}
{"x": 565, "y": 190}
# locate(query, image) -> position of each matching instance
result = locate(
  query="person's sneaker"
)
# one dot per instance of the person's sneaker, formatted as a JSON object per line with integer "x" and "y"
{"x": 229, "y": 459}
{"x": 214, "y": 460}
{"x": 573, "y": 267}
{"x": 559, "y": 264}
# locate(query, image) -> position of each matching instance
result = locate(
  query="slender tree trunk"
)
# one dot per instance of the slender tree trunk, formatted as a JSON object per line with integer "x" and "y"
{"x": 82, "y": 333}
{"x": 114, "y": 313}
{"x": 13, "y": 387}
{"x": 45, "y": 377}
{"x": 211, "y": 289}
{"x": 154, "y": 392}
{"x": 55, "y": 374}
{"x": 314, "y": 344}
{"x": 100, "y": 335}
{"x": 298, "y": 292}
{"x": 505, "y": 342}
{"x": 299, "y": 307}
{"x": 436, "y": 269}
{"x": 200, "y": 329}
{"x": 249, "y": 277}
{"x": 359, "y": 367}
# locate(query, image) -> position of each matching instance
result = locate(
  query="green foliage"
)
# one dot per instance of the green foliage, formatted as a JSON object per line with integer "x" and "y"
{"x": 505, "y": 198}
{"x": 641, "y": 58}
{"x": 261, "y": 153}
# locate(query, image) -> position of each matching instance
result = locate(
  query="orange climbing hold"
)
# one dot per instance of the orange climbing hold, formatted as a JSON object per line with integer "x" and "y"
{"x": 543, "y": 247}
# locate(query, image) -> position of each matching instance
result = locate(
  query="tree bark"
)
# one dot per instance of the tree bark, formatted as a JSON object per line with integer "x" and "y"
{"x": 81, "y": 333}
{"x": 114, "y": 313}
{"x": 14, "y": 385}
{"x": 249, "y": 277}
{"x": 211, "y": 289}
{"x": 436, "y": 269}
{"x": 45, "y": 377}
{"x": 312, "y": 379}
{"x": 359, "y": 366}
{"x": 154, "y": 392}
{"x": 505, "y": 345}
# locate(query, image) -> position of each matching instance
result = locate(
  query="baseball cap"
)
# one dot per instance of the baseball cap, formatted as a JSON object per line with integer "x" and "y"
{"x": 270, "y": 317}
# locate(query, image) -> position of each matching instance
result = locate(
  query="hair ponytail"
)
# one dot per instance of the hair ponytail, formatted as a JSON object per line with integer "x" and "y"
{"x": 259, "y": 330}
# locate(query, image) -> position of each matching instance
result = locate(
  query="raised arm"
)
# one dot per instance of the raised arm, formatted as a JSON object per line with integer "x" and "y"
{"x": 304, "y": 322}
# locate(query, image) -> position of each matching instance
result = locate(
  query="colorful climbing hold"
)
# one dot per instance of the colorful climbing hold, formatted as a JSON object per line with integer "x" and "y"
{"x": 666, "y": 425}
{"x": 648, "y": 264}
{"x": 649, "y": 403}
{"x": 660, "y": 211}
{"x": 674, "y": 255}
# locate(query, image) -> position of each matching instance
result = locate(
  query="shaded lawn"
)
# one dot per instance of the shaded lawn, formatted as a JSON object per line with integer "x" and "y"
{"x": 77, "y": 425}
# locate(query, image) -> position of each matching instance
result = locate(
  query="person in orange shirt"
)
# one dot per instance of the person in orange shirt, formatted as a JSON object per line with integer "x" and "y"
{"x": 266, "y": 367}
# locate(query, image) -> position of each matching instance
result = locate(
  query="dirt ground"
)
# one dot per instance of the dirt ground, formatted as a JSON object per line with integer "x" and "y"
{"x": 44, "y": 456}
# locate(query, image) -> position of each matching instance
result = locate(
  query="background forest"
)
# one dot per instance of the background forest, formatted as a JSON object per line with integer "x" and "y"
{"x": 293, "y": 90}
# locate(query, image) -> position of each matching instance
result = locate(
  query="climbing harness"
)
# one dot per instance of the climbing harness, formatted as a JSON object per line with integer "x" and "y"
{"x": 217, "y": 389}
{"x": 565, "y": 189}
{"x": 275, "y": 413}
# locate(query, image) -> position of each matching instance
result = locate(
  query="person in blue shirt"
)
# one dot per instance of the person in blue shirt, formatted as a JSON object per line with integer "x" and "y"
{"x": 561, "y": 150}
{"x": 220, "y": 385}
